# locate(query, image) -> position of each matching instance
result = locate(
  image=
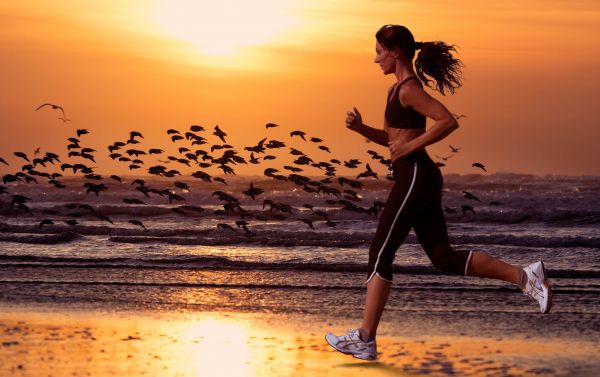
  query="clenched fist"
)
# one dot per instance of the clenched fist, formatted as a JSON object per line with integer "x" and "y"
{"x": 353, "y": 119}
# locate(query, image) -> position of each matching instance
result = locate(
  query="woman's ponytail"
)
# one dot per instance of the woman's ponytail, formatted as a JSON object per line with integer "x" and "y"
{"x": 434, "y": 59}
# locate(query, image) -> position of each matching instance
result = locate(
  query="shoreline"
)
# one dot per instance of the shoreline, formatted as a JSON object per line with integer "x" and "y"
{"x": 57, "y": 340}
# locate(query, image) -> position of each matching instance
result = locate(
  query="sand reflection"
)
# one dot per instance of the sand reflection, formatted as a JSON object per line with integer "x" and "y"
{"x": 221, "y": 347}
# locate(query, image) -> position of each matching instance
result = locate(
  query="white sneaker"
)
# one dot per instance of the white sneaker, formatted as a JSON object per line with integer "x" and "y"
{"x": 538, "y": 285}
{"x": 351, "y": 344}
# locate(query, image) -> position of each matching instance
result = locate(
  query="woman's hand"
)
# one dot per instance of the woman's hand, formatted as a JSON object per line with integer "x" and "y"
{"x": 353, "y": 120}
{"x": 399, "y": 148}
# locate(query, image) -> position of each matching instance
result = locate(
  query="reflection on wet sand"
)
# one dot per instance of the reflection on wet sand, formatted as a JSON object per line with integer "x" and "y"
{"x": 75, "y": 342}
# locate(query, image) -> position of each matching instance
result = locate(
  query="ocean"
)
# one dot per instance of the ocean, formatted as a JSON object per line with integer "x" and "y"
{"x": 183, "y": 260}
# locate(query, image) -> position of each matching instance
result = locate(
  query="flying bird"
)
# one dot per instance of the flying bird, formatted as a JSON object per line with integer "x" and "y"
{"x": 271, "y": 125}
{"x": 45, "y": 222}
{"x": 137, "y": 222}
{"x": 468, "y": 195}
{"x": 308, "y": 222}
{"x": 219, "y": 133}
{"x": 298, "y": 133}
{"x": 55, "y": 107}
{"x": 479, "y": 165}
{"x": 253, "y": 191}
{"x": 454, "y": 150}
{"x": 22, "y": 155}
{"x": 132, "y": 201}
{"x": 226, "y": 226}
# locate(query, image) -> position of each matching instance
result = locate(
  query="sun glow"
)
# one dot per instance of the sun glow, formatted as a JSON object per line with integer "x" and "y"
{"x": 223, "y": 349}
{"x": 225, "y": 27}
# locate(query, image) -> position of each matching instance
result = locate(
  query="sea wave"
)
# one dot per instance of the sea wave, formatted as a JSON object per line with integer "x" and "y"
{"x": 271, "y": 237}
{"x": 585, "y": 289}
{"x": 224, "y": 263}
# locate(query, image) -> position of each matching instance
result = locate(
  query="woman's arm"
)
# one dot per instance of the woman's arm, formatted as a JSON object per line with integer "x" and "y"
{"x": 376, "y": 135}
{"x": 354, "y": 122}
{"x": 414, "y": 96}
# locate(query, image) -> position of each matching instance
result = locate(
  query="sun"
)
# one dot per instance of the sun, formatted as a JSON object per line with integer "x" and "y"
{"x": 224, "y": 27}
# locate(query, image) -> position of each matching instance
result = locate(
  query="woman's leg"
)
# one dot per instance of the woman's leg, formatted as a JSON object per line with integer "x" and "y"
{"x": 394, "y": 224}
{"x": 484, "y": 265}
{"x": 378, "y": 291}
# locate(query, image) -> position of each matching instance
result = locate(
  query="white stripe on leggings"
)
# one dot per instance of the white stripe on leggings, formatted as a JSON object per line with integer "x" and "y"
{"x": 392, "y": 227}
{"x": 468, "y": 260}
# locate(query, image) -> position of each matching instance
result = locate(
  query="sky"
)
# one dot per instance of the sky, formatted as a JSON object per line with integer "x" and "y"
{"x": 529, "y": 91}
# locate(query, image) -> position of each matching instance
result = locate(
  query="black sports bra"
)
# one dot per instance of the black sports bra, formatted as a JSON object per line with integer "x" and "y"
{"x": 402, "y": 117}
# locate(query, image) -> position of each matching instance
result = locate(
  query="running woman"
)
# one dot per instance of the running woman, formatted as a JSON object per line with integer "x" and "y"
{"x": 414, "y": 201}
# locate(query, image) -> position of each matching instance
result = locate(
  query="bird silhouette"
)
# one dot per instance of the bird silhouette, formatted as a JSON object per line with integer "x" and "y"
{"x": 22, "y": 155}
{"x": 138, "y": 223}
{"x": 367, "y": 173}
{"x": 226, "y": 226}
{"x": 468, "y": 195}
{"x": 454, "y": 150}
{"x": 271, "y": 125}
{"x": 253, "y": 191}
{"x": 45, "y": 222}
{"x": 298, "y": 133}
{"x": 219, "y": 133}
{"x": 308, "y": 222}
{"x": 55, "y": 107}
{"x": 133, "y": 201}
{"x": 479, "y": 165}
{"x": 82, "y": 131}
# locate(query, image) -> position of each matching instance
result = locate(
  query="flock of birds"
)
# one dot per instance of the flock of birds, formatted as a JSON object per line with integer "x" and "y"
{"x": 194, "y": 156}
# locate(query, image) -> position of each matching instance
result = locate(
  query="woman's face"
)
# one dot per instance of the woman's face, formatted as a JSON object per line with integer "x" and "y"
{"x": 385, "y": 59}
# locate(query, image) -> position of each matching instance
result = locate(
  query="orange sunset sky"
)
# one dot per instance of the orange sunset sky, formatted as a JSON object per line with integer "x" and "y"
{"x": 530, "y": 90}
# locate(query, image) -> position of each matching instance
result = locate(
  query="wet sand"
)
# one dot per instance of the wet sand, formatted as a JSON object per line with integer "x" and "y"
{"x": 81, "y": 342}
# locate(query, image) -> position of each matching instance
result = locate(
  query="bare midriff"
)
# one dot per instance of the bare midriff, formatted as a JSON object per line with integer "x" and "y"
{"x": 403, "y": 134}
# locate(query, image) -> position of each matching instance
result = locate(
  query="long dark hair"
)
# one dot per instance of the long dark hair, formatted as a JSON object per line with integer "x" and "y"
{"x": 434, "y": 59}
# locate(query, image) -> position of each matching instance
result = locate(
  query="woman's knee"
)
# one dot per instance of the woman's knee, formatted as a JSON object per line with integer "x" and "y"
{"x": 448, "y": 260}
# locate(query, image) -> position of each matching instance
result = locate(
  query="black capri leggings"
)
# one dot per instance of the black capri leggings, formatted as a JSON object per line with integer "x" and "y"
{"x": 415, "y": 201}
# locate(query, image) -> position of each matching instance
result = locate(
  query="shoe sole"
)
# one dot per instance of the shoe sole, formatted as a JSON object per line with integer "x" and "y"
{"x": 358, "y": 356}
{"x": 548, "y": 289}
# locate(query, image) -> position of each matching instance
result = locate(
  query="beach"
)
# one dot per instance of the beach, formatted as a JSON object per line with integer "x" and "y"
{"x": 184, "y": 297}
{"x": 83, "y": 341}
